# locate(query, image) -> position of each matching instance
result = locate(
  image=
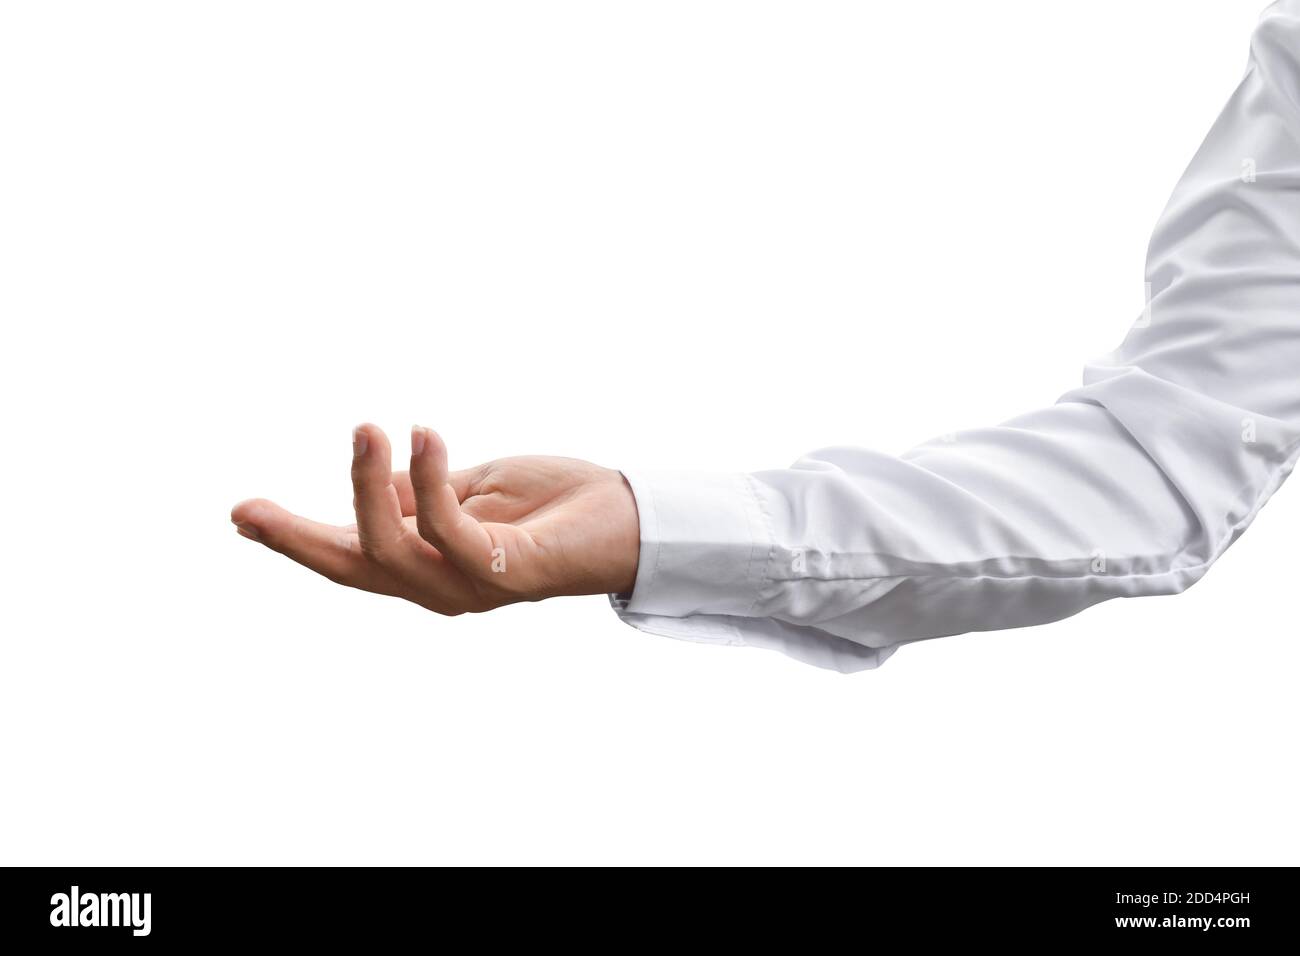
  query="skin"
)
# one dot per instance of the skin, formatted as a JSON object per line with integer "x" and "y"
{"x": 516, "y": 529}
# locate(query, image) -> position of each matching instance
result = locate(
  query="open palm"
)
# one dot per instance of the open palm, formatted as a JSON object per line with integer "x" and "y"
{"x": 515, "y": 529}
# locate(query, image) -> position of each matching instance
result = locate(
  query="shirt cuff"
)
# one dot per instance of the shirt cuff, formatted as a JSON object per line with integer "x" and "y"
{"x": 705, "y": 544}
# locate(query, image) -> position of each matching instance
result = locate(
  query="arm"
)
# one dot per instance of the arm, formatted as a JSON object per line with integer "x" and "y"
{"x": 1132, "y": 484}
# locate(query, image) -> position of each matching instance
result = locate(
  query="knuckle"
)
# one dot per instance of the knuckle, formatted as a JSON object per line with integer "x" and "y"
{"x": 425, "y": 526}
{"x": 372, "y": 550}
{"x": 485, "y": 595}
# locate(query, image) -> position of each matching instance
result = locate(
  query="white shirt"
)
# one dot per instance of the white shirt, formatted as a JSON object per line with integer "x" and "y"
{"x": 1132, "y": 484}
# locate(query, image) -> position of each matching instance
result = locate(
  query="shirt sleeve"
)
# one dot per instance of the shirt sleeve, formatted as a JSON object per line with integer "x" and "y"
{"x": 1132, "y": 484}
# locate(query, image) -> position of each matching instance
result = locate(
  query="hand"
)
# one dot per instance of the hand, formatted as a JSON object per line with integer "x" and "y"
{"x": 517, "y": 529}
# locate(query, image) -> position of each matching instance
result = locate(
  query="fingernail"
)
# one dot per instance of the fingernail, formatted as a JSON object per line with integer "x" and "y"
{"x": 417, "y": 440}
{"x": 248, "y": 531}
{"x": 359, "y": 442}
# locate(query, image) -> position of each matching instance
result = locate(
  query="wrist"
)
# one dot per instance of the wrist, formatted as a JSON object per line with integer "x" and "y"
{"x": 626, "y": 551}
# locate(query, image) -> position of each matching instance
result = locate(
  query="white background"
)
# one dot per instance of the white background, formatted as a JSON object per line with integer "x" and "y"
{"x": 682, "y": 235}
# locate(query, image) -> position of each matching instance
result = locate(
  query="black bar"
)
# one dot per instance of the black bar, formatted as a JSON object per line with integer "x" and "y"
{"x": 1219, "y": 908}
